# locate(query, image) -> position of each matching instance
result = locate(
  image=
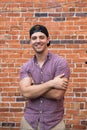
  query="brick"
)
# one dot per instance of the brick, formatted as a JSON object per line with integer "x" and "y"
{"x": 72, "y": 9}
{"x": 4, "y": 109}
{"x": 4, "y": 104}
{"x": 13, "y": 14}
{"x": 20, "y": 99}
{"x": 79, "y": 127}
{"x": 79, "y": 89}
{"x": 17, "y": 105}
{"x": 79, "y": 99}
{"x": 6, "y": 114}
{"x": 75, "y": 121}
{"x": 83, "y": 112}
{"x": 2, "y": 119}
{"x": 84, "y": 122}
{"x": 77, "y": 94}
{"x": 16, "y": 110}
{"x": 40, "y": 14}
{"x": 81, "y": 4}
{"x": 27, "y": 14}
{"x": 60, "y": 1}
{"x": 5, "y": 129}
{"x": 17, "y": 119}
{"x": 67, "y": 14}
{"x": 45, "y": 19}
{"x": 10, "y": 99}
{"x": 54, "y": 14}
{"x": 59, "y": 19}
{"x": 81, "y": 14}
{"x": 84, "y": 94}
{"x": 37, "y": 5}
{"x": 72, "y": 28}
{"x": 82, "y": 106}
{"x": 8, "y": 124}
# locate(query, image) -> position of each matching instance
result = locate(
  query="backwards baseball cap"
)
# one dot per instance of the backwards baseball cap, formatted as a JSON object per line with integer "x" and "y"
{"x": 39, "y": 28}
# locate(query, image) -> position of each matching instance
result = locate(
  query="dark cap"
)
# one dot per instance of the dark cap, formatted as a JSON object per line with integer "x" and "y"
{"x": 39, "y": 28}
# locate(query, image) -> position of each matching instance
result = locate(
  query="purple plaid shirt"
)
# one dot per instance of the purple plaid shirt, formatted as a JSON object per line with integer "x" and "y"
{"x": 46, "y": 111}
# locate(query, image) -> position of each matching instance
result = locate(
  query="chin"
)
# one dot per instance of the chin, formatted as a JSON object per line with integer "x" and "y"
{"x": 39, "y": 52}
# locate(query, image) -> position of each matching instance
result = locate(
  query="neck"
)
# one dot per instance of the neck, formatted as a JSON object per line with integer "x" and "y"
{"x": 41, "y": 57}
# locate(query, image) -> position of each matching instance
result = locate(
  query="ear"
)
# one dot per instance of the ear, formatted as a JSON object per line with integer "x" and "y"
{"x": 48, "y": 43}
{"x": 48, "y": 39}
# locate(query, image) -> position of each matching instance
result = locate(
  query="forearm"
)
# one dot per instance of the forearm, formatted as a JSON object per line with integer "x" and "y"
{"x": 54, "y": 94}
{"x": 34, "y": 91}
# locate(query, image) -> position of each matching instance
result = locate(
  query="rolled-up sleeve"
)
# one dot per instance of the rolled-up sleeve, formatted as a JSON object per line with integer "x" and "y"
{"x": 62, "y": 67}
{"x": 24, "y": 72}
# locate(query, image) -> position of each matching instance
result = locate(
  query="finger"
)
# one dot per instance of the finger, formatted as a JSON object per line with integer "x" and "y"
{"x": 65, "y": 80}
{"x": 65, "y": 84}
{"x": 61, "y": 75}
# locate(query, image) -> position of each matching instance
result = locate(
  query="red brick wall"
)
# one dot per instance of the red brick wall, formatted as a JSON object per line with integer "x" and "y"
{"x": 67, "y": 24}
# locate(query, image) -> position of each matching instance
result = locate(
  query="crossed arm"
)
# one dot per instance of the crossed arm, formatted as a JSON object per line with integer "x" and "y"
{"x": 53, "y": 89}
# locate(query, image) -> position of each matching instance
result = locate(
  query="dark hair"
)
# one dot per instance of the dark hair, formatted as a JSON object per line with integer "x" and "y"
{"x": 39, "y": 28}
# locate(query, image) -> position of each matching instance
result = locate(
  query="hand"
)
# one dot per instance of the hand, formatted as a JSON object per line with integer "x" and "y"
{"x": 60, "y": 82}
{"x": 32, "y": 82}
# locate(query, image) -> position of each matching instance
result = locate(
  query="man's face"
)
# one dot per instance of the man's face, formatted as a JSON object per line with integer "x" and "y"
{"x": 39, "y": 42}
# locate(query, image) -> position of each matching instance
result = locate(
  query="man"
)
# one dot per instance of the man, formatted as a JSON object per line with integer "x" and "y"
{"x": 44, "y": 80}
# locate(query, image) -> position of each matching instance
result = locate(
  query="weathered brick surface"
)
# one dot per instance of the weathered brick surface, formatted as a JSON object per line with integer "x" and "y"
{"x": 66, "y": 21}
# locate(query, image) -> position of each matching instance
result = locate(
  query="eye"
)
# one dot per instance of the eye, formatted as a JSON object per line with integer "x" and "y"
{"x": 34, "y": 38}
{"x": 42, "y": 37}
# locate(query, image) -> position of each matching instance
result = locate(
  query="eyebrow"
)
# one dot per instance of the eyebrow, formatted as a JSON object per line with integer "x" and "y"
{"x": 39, "y": 36}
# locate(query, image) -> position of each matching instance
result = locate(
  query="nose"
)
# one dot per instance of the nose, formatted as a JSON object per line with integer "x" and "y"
{"x": 38, "y": 40}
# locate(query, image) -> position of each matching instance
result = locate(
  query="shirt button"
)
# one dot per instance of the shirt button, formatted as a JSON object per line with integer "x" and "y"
{"x": 41, "y": 101}
{"x": 40, "y": 112}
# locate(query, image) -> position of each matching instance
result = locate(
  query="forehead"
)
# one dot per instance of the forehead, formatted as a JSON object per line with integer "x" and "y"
{"x": 37, "y": 34}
